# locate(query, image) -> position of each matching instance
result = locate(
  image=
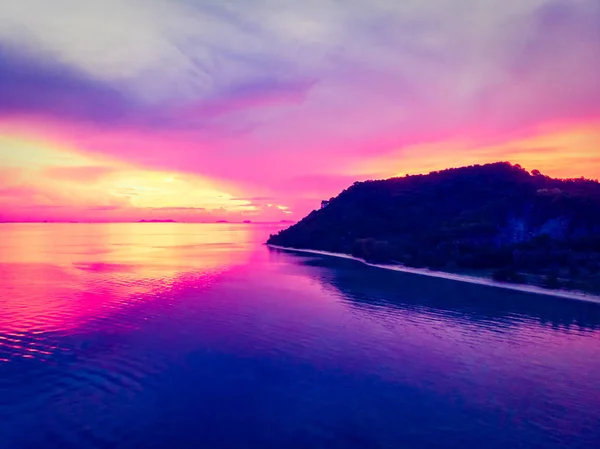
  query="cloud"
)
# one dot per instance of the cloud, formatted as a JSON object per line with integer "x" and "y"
{"x": 422, "y": 69}
{"x": 288, "y": 99}
{"x": 269, "y": 199}
{"x": 34, "y": 87}
{"x": 14, "y": 191}
{"x": 162, "y": 51}
{"x": 103, "y": 208}
{"x": 320, "y": 184}
{"x": 78, "y": 174}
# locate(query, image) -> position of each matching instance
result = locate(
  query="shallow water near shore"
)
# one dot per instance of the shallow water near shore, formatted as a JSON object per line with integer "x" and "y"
{"x": 198, "y": 335}
{"x": 472, "y": 279}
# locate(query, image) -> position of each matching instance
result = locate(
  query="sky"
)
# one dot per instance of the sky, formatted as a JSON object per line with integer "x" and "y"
{"x": 201, "y": 110}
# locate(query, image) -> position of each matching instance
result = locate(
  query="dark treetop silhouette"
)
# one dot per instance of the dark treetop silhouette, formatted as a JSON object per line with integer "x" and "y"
{"x": 496, "y": 220}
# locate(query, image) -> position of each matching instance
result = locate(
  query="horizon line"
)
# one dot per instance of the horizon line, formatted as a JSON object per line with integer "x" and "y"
{"x": 141, "y": 222}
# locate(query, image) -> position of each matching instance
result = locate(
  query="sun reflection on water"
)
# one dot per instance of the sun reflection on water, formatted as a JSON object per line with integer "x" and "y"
{"x": 56, "y": 276}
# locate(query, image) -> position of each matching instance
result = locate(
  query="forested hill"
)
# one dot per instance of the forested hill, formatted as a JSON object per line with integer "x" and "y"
{"x": 497, "y": 218}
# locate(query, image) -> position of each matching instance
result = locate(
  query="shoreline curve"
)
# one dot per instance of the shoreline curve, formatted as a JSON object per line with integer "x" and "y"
{"x": 566, "y": 294}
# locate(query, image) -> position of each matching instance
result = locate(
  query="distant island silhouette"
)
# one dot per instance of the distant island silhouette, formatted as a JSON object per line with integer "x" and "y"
{"x": 495, "y": 220}
{"x": 157, "y": 221}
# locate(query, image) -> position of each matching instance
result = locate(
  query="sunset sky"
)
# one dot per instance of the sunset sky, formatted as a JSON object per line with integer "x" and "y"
{"x": 192, "y": 110}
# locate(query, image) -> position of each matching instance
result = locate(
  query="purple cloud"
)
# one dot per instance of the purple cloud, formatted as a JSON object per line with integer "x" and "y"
{"x": 37, "y": 85}
{"x": 40, "y": 87}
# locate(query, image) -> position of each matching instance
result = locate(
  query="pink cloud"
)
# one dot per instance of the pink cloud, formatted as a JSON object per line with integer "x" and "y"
{"x": 78, "y": 174}
{"x": 296, "y": 115}
{"x": 18, "y": 192}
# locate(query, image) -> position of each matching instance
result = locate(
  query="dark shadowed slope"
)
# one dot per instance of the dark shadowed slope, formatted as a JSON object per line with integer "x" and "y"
{"x": 496, "y": 219}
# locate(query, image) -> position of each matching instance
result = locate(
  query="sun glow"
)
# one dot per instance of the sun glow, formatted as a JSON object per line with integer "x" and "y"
{"x": 49, "y": 176}
{"x": 561, "y": 151}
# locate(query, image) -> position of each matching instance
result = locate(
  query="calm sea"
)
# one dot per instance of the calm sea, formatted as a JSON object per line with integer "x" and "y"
{"x": 198, "y": 336}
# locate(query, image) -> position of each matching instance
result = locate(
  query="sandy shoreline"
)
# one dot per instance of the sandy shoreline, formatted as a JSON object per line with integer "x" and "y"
{"x": 580, "y": 296}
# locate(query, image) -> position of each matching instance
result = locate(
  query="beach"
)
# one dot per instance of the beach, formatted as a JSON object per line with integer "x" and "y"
{"x": 567, "y": 294}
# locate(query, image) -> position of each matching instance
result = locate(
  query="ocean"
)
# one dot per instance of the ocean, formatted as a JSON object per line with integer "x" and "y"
{"x": 168, "y": 335}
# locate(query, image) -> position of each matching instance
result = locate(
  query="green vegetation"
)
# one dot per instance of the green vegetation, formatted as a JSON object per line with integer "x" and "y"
{"x": 496, "y": 220}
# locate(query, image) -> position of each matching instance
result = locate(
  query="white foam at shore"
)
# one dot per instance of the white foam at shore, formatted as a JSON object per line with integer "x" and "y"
{"x": 580, "y": 296}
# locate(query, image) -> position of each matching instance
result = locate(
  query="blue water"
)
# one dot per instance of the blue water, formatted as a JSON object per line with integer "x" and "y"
{"x": 199, "y": 336}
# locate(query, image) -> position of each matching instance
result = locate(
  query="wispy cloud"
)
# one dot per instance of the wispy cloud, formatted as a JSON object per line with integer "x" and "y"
{"x": 290, "y": 99}
{"x": 31, "y": 86}
{"x": 78, "y": 174}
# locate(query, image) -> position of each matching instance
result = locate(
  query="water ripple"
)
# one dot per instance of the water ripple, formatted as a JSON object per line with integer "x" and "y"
{"x": 183, "y": 336}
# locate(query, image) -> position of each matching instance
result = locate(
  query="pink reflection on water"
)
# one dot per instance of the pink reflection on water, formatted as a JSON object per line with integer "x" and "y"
{"x": 58, "y": 276}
